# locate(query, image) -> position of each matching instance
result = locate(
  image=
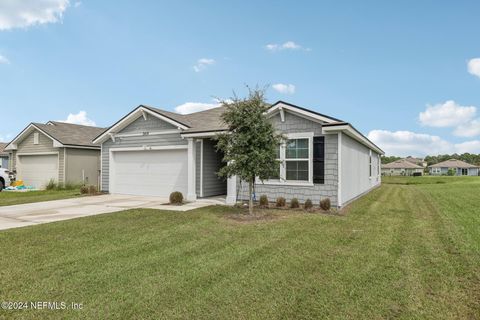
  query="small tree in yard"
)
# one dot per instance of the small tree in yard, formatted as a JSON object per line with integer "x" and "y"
{"x": 250, "y": 146}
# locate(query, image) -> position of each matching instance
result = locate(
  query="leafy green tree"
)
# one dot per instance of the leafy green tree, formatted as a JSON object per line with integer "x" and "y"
{"x": 250, "y": 145}
{"x": 388, "y": 159}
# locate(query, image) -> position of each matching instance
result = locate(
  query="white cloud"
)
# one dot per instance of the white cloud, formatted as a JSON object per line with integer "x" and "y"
{"x": 405, "y": 143}
{"x": 202, "y": 64}
{"x": 191, "y": 107}
{"x": 468, "y": 146}
{"x": 474, "y": 67}
{"x": 4, "y": 60}
{"x": 79, "y": 118}
{"x": 25, "y": 13}
{"x": 289, "y": 45}
{"x": 469, "y": 129}
{"x": 284, "y": 88}
{"x": 447, "y": 114}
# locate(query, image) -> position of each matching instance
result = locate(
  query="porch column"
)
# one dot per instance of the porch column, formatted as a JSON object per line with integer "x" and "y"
{"x": 231, "y": 191}
{"x": 192, "y": 194}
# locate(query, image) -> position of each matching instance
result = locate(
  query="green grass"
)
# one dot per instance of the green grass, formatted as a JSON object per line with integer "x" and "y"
{"x": 429, "y": 180}
{"x": 403, "y": 251}
{"x": 12, "y": 198}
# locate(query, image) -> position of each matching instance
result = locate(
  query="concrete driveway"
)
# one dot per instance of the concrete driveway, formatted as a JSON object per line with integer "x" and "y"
{"x": 42, "y": 212}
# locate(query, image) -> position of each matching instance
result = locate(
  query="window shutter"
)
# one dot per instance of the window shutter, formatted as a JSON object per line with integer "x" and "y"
{"x": 319, "y": 160}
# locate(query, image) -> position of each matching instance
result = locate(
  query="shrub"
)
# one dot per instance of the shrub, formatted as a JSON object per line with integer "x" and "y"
{"x": 176, "y": 197}
{"x": 325, "y": 204}
{"x": 308, "y": 204}
{"x": 92, "y": 189}
{"x": 51, "y": 185}
{"x": 263, "y": 201}
{"x": 294, "y": 203}
{"x": 83, "y": 189}
{"x": 281, "y": 202}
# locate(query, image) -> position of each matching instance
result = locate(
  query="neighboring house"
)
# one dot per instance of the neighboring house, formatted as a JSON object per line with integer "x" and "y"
{"x": 418, "y": 161}
{"x": 4, "y": 156}
{"x": 154, "y": 152}
{"x": 402, "y": 167}
{"x": 56, "y": 151}
{"x": 460, "y": 168}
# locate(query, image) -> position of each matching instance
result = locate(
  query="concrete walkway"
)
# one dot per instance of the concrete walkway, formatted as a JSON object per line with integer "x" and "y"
{"x": 43, "y": 212}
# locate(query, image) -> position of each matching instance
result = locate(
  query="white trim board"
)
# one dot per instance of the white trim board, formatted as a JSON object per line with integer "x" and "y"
{"x": 13, "y": 145}
{"x": 150, "y": 148}
{"x": 37, "y": 153}
{"x": 134, "y": 115}
{"x": 349, "y": 131}
{"x": 201, "y": 134}
{"x": 281, "y": 107}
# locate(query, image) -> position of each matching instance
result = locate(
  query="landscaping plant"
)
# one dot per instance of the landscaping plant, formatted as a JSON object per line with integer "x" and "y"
{"x": 325, "y": 204}
{"x": 250, "y": 145}
{"x": 281, "y": 202}
{"x": 263, "y": 201}
{"x": 176, "y": 197}
{"x": 294, "y": 203}
{"x": 308, "y": 204}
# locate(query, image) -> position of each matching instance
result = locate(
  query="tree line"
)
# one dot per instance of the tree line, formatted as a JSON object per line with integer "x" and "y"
{"x": 467, "y": 157}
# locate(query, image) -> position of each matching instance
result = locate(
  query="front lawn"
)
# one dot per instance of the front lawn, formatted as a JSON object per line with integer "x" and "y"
{"x": 402, "y": 251}
{"x": 11, "y": 198}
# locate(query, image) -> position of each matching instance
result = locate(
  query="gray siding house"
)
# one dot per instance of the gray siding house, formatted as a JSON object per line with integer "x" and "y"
{"x": 460, "y": 168}
{"x": 56, "y": 151}
{"x": 154, "y": 152}
{"x": 4, "y": 156}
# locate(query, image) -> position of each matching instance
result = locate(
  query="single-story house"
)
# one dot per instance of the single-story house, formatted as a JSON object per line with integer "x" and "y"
{"x": 4, "y": 156}
{"x": 402, "y": 167}
{"x": 154, "y": 152}
{"x": 460, "y": 168}
{"x": 57, "y": 151}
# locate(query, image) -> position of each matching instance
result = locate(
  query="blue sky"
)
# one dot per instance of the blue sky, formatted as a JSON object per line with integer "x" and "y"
{"x": 406, "y": 74}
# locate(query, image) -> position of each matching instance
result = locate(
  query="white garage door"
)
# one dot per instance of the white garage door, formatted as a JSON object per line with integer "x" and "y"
{"x": 38, "y": 170}
{"x": 149, "y": 173}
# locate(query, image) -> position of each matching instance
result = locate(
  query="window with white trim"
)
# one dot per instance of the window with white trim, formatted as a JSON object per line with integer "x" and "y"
{"x": 297, "y": 160}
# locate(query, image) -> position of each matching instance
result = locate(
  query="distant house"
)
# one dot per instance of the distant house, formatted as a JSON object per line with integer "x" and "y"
{"x": 4, "y": 156}
{"x": 418, "y": 161}
{"x": 460, "y": 168}
{"x": 402, "y": 167}
{"x": 57, "y": 151}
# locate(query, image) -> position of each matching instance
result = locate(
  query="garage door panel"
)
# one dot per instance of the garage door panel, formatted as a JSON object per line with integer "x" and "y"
{"x": 37, "y": 170}
{"x": 155, "y": 173}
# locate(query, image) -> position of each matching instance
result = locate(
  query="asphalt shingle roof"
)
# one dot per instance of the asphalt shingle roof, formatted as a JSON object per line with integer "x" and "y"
{"x": 453, "y": 163}
{"x": 2, "y": 149}
{"x": 207, "y": 120}
{"x": 71, "y": 134}
{"x": 401, "y": 164}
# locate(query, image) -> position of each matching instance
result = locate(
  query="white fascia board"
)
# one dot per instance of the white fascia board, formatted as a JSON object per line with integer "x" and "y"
{"x": 303, "y": 113}
{"x": 201, "y": 134}
{"x": 348, "y": 130}
{"x": 139, "y": 112}
{"x": 71, "y": 146}
{"x": 150, "y": 148}
{"x": 13, "y": 145}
